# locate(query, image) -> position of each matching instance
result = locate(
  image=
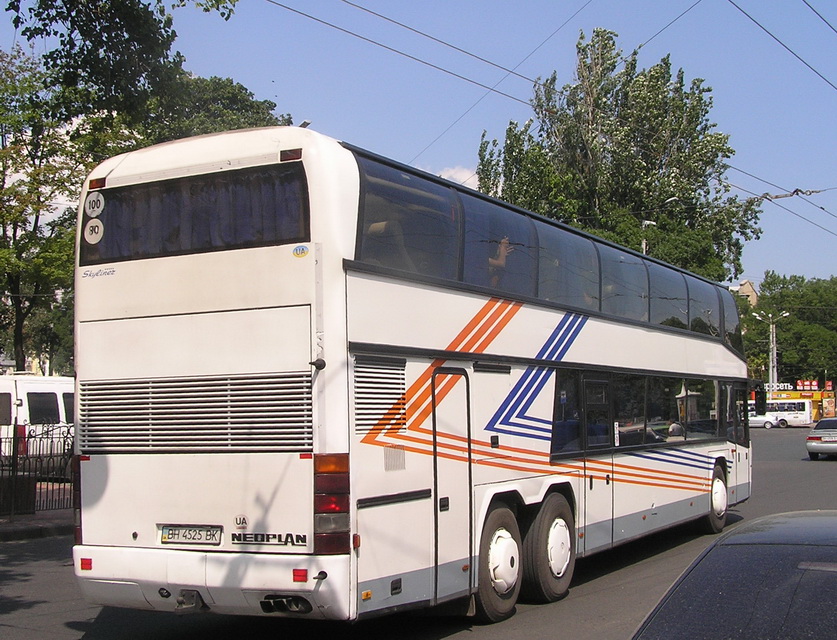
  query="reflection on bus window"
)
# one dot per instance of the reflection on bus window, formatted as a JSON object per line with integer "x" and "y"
{"x": 500, "y": 249}
{"x": 701, "y": 409}
{"x": 669, "y": 298}
{"x": 624, "y": 284}
{"x": 704, "y": 309}
{"x": 408, "y": 223}
{"x": 569, "y": 268}
{"x": 566, "y": 424}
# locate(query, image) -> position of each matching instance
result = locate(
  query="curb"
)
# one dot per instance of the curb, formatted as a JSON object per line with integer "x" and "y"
{"x": 10, "y": 533}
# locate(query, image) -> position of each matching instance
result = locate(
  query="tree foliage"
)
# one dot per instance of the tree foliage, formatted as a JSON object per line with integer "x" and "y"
{"x": 104, "y": 56}
{"x": 806, "y": 340}
{"x": 39, "y": 169}
{"x": 620, "y": 146}
{"x": 195, "y": 106}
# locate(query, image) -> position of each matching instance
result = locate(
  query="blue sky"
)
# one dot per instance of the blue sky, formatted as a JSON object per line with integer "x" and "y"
{"x": 779, "y": 113}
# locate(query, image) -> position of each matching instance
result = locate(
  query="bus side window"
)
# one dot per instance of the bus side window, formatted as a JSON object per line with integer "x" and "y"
{"x": 566, "y": 422}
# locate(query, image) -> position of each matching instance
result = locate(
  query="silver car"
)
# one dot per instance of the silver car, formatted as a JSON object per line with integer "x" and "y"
{"x": 822, "y": 439}
{"x": 766, "y": 421}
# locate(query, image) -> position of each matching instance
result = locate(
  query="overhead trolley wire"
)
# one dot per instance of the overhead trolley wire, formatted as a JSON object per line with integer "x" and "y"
{"x": 398, "y": 52}
{"x": 819, "y": 15}
{"x": 786, "y": 47}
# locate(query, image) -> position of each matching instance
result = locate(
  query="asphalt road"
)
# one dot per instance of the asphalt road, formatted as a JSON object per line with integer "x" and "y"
{"x": 611, "y": 593}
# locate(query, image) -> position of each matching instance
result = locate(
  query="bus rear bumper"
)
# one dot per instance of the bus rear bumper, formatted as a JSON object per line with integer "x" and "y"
{"x": 229, "y": 583}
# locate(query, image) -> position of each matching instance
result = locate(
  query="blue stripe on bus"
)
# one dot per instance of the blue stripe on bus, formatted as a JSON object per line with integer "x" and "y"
{"x": 677, "y": 457}
{"x": 512, "y": 417}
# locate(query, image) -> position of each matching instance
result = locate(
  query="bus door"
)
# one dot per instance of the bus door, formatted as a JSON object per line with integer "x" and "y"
{"x": 598, "y": 481}
{"x": 738, "y": 434}
{"x": 452, "y": 483}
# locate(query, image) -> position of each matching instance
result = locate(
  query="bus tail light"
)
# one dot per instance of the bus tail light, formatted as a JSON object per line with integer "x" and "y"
{"x": 332, "y": 533}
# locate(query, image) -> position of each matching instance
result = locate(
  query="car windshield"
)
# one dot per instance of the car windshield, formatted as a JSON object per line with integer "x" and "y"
{"x": 829, "y": 424}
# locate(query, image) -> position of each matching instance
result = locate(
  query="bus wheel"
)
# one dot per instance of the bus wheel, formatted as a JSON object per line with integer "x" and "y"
{"x": 783, "y": 423}
{"x": 499, "y": 566}
{"x": 714, "y": 521}
{"x": 549, "y": 551}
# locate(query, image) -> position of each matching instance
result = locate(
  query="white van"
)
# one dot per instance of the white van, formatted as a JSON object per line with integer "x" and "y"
{"x": 37, "y": 405}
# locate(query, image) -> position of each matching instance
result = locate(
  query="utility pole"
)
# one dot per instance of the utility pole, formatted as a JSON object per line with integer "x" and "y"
{"x": 771, "y": 320}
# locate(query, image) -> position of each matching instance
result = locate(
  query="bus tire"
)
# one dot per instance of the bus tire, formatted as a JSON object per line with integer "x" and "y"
{"x": 783, "y": 423}
{"x": 549, "y": 551}
{"x": 499, "y": 576}
{"x": 716, "y": 519}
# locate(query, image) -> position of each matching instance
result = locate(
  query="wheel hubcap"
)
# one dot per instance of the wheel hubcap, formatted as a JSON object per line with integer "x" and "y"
{"x": 503, "y": 561}
{"x": 559, "y": 547}
{"x": 719, "y": 497}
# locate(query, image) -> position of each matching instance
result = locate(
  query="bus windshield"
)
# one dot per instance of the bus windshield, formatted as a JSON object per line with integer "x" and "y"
{"x": 220, "y": 211}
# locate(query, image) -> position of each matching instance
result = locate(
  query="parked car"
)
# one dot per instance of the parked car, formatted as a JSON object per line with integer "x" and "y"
{"x": 766, "y": 421}
{"x": 822, "y": 439}
{"x": 772, "y": 578}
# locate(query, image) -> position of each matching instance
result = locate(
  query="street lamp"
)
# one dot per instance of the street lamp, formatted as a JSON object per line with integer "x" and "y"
{"x": 645, "y": 225}
{"x": 770, "y": 319}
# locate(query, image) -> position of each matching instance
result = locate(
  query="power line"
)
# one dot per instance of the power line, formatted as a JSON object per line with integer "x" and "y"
{"x": 786, "y": 47}
{"x": 819, "y": 15}
{"x": 794, "y": 213}
{"x": 440, "y": 41}
{"x": 397, "y": 51}
{"x": 794, "y": 192}
{"x": 482, "y": 97}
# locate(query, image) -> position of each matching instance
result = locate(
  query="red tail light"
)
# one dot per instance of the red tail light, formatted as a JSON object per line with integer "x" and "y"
{"x": 332, "y": 533}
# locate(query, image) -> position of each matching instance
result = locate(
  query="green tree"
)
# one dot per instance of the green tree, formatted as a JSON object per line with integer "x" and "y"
{"x": 39, "y": 169}
{"x": 620, "y": 146}
{"x": 806, "y": 340}
{"x": 194, "y": 106}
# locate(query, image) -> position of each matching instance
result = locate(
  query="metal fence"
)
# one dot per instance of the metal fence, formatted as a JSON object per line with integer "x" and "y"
{"x": 36, "y": 469}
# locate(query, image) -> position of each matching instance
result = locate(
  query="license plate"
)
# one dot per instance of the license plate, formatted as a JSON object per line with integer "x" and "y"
{"x": 191, "y": 534}
{"x": 829, "y": 438}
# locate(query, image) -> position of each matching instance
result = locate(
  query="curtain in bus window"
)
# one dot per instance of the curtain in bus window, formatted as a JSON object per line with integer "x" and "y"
{"x": 666, "y": 409}
{"x": 704, "y": 308}
{"x": 669, "y": 297}
{"x": 624, "y": 284}
{"x": 702, "y": 409}
{"x": 628, "y": 393}
{"x": 566, "y": 423}
{"x": 224, "y": 210}
{"x": 408, "y": 222}
{"x": 501, "y": 249}
{"x": 569, "y": 268}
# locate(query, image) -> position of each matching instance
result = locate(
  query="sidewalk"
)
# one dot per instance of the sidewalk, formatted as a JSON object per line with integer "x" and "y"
{"x": 40, "y": 524}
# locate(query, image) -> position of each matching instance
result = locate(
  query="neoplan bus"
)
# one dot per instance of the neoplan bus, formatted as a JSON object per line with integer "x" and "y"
{"x": 316, "y": 383}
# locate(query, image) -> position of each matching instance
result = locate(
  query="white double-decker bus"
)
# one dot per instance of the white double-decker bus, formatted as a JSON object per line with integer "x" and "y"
{"x": 316, "y": 383}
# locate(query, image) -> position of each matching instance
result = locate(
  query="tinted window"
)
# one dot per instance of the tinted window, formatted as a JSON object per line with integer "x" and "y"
{"x": 501, "y": 249}
{"x": 566, "y": 424}
{"x": 669, "y": 298}
{"x": 704, "y": 310}
{"x": 408, "y": 223}
{"x": 732, "y": 323}
{"x": 665, "y": 418}
{"x": 69, "y": 407}
{"x": 629, "y": 409}
{"x": 5, "y": 408}
{"x": 701, "y": 409}
{"x": 828, "y": 423}
{"x": 624, "y": 284}
{"x": 216, "y": 211}
{"x": 43, "y": 408}
{"x": 569, "y": 268}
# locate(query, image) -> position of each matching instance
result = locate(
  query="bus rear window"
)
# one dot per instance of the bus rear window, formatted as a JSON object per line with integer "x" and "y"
{"x": 226, "y": 210}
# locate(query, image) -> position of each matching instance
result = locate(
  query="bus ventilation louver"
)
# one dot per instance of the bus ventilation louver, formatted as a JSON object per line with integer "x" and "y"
{"x": 379, "y": 385}
{"x": 229, "y": 414}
